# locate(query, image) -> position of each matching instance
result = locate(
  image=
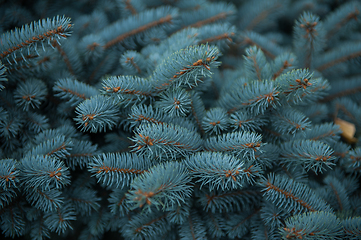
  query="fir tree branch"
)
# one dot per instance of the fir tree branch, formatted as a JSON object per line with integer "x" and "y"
{"x": 33, "y": 34}
{"x": 294, "y": 197}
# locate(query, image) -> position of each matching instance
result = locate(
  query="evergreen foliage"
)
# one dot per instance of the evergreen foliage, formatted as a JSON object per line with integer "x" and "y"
{"x": 208, "y": 119}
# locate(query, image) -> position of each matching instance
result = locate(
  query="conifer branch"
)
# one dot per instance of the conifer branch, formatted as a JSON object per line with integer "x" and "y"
{"x": 341, "y": 58}
{"x": 262, "y": 16}
{"x": 33, "y": 34}
{"x": 212, "y": 19}
{"x": 294, "y": 197}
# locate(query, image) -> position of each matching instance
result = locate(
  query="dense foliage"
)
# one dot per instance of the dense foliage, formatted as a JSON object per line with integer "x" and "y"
{"x": 179, "y": 119}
